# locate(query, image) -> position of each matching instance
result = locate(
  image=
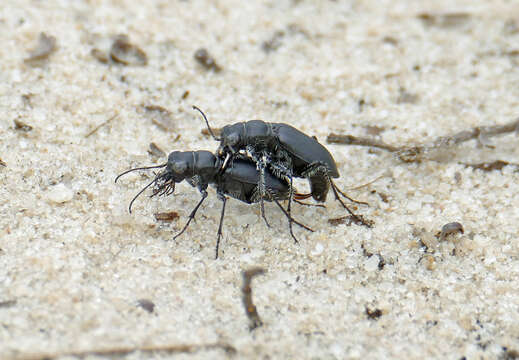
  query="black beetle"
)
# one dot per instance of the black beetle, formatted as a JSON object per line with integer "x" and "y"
{"x": 201, "y": 168}
{"x": 287, "y": 152}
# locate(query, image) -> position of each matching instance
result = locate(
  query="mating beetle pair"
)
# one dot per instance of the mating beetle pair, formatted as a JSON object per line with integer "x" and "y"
{"x": 256, "y": 162}
{"x": 201, "y": 168}
{"x": 287, "y": 152}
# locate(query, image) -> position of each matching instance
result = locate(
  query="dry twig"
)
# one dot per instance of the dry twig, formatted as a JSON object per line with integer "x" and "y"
{"x": 416, "y": 153}
{"x": 121, "y": 351}
{"x": 250, "y": 308}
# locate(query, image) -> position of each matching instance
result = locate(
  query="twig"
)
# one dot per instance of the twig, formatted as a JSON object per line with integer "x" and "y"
{"x": 250, "y": 308}
{"x": 353, "y": 140}
{"x": 121, "y": 351}
{"x": 415, "y": 153}
{"x": 490, "y": 166}
{"x": 101, "y": 125}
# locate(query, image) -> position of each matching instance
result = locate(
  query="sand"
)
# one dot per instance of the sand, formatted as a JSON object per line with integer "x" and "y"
{"x": 74, "y": 264}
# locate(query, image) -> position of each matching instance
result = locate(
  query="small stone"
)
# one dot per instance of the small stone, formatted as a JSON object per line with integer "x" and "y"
{"x": 372, "y": 263}
{"x": 60, "y": 194}
{"x": 318, "y": 250}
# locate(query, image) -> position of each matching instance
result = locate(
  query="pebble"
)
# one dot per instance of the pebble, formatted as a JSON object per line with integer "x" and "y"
{"x": 371, "y": 264}
{"x": 60, "y": 194}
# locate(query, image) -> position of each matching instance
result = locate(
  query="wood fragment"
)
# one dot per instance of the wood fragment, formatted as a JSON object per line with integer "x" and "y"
{"x": 94, "y": 130}
{"x": 100, "y": 55}
{"x": 122, "y": 351}
{"x": 374, "y": 129}
{"x": 21, "y": 126}
{"x": 416, "y": 153}
{"x": 216, "y": 131}
{"x": 406, "y": 97}
{"x": 445, "y": 20}
{"x": 361, "y": 141}
{"x": 490, "y": 166}
{"x": 155, "y": 150}
{"x": 7, "y": 303}
{"x": 203, "y": 57}
{"x": 46, "y": 46}
{"x": 146, "y": 304}
{"x": 166, "y": 216}
{"x": 349, "y": 220}
{"x": 250, "y": 308}
{"x": 274, "y": 42}
{"x": 124, "y": 52}
{"x": 160, "y": 116}
{"x": 374, "y": 314}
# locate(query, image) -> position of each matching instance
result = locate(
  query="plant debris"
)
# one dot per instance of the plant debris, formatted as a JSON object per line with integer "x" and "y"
{"x": 2, "y": 163}
{"x": 448, "y": 229}
{"x": 216, "y": 132}
{"x": 406, "y": 97}
{"x": 94, "y": 130}
{"x": 122, "y": 351}
{"x": 490, "y": 166}
{"x": 7, "y": 303}
{"x": 21, "y": 126}
{"x": 373, "y": 314}
{"x": 100, "y": 55}
{"x": 124, "y": 52}
{"x": 26, "y": 99}
{"x": 416, "y": 153}
{"x": 160, "y": 116}
{"x": 354, "y": 140}
{"x": 146, "y": 304}
{"x": 349, "y": 220}
{"x": 274, "y": 42}
{"x": 374, "y": 129}
{"x": 203, "y": 57}
{"x": 447, "y": 20}
{"x": 250, "y": 308}
{"x": 166, "y": 216}
{"x": 46, "y": 46}
{"x": 156, "y": 151}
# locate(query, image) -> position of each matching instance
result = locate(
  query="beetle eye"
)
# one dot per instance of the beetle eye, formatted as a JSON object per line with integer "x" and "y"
{"x": 233, "y": 139}
{"x": 179, "y": 167}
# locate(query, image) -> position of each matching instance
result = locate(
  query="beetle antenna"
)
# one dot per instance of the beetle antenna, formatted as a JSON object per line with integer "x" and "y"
{"x": 140, "y": 192}
{"x": 207, "y": 122}
{"x": 139, "y": 168}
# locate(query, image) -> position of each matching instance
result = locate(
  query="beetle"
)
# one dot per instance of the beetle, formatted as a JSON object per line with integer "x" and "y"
{"x": 201, "y": 168}
{"x": 287, "y": 152}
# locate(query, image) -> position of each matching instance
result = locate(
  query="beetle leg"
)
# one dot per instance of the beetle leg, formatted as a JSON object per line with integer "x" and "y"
{"x": 292, "y": 219}
{"x": 225, "y": 162}
{"x": 346, "y": 196}
{"x": 193, "y": 213}
{"x": 262, "y": 192}
{"x": 289, "y": 208}
{"x": 261, "y": 164}
{"x": 357, "y": 218}
{"x": 224, "y": 200}
{"x": 320, "y": 183}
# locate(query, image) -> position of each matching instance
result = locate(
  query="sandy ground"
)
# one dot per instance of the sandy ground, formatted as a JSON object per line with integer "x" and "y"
{"x": 74, "y": 264}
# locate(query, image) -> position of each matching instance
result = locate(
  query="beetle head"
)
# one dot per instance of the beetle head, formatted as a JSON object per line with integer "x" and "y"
{"x": 232, "y": 138}
{"x": 178, "y": 165}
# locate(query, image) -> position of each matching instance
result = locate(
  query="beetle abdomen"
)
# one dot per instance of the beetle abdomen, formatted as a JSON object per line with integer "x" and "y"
{"x": 304, "y": 149}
